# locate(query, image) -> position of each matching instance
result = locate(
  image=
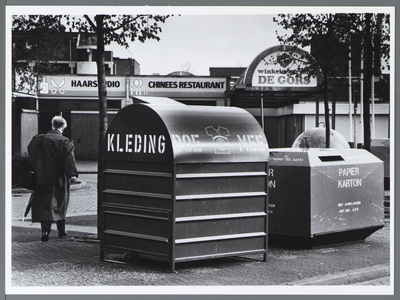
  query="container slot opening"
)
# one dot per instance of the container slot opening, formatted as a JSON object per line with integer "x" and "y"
{"x": 331, "y": 158}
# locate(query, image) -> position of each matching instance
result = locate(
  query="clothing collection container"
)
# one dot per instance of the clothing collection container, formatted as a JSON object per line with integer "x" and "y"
{"x": 183, "y": 183}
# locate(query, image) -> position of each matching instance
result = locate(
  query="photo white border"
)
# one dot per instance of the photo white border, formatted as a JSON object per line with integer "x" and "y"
{"x": 190, "y": 290}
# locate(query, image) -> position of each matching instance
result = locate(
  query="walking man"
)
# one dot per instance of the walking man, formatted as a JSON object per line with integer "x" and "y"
{"x": 53, "y": 162}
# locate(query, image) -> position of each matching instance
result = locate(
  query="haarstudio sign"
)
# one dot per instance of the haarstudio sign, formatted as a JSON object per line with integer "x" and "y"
{"x": 61, "y": 85}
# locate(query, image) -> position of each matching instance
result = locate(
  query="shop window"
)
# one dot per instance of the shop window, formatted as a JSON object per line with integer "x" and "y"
{"x": 113, "y": 104}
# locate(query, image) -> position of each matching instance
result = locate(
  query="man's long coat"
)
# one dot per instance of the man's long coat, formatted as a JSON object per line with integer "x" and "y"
{"x": 53, "y": 162}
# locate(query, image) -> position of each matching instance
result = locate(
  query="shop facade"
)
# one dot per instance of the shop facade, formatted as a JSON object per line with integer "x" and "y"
{"x": 75, "y": 98}
{"x": 285, "y": 105}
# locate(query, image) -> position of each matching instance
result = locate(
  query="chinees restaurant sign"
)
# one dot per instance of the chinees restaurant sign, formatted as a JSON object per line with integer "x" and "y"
{"x": 177, "y": 86}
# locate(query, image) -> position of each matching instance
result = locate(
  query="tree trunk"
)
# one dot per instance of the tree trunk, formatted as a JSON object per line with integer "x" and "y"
{"x": 326, "y": 107}
{"x": 367, "y": 82}
{"x": 102, "y": 112}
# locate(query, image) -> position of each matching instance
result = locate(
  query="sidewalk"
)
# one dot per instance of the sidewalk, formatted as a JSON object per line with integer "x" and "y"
{"x": 75, "y": 259}
{"x": 83, "y": 203}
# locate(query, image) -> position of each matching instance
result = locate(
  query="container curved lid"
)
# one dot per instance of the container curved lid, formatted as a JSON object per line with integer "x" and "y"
{"x": 315, "y": 138}
{"x": 185, "y": 134}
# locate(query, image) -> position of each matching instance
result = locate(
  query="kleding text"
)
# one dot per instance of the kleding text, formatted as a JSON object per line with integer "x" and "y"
{"x": 136, "y": 143}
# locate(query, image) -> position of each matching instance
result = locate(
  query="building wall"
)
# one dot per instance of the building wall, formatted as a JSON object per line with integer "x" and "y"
{"x": 280, "y": 129}
{"x": 382, "y": 127}
{"x": 342, "y": 121}
{"x": 126, "y": 67}
{"x": 29, "y": 127}
{"x": 283, "y": 125}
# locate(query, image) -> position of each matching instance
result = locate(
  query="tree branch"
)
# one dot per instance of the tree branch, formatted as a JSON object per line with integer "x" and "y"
{"x": 90, "y": 22}
{"x": 124, "y": 23}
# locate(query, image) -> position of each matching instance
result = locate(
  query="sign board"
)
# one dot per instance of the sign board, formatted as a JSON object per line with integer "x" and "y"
{"x": 60, "y": 85}
{"x": 177, "y": 86}
{"x": 157, "y": 86}
{"x": 273, "y": 71}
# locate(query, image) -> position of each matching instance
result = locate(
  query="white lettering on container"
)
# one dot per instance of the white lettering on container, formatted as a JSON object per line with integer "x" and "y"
{"x": 188, "y": 143}
{"x": 128, "y": 143}
{"x": 348, "y": 183}
{"x": 110, "y": 145}
{"x": 161, "y": 144}
{"x": 351, "y": 182}
{"x": 138, "y": 143}
{"x": 250, "y": 142}
{"x": 271, "y": 182}
{"x": 354, "y": 171}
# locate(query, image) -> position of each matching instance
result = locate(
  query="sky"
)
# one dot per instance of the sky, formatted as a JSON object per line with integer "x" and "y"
{"x": 198, "y": 37}
{"x": 195, "y": 43}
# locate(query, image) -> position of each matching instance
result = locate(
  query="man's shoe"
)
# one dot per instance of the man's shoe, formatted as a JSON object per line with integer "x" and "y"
{"x": 61, "y": 234}
{"x": 45, "y": 236}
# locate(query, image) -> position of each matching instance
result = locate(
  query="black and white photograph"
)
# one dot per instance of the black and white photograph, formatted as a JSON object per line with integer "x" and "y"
{"x": 199, "y": 150}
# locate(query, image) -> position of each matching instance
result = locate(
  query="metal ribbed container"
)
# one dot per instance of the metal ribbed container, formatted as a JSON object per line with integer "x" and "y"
{"x": 184, "y": 183}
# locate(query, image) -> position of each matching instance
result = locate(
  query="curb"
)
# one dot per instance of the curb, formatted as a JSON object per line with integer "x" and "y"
{"x": 348, "y": 277}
